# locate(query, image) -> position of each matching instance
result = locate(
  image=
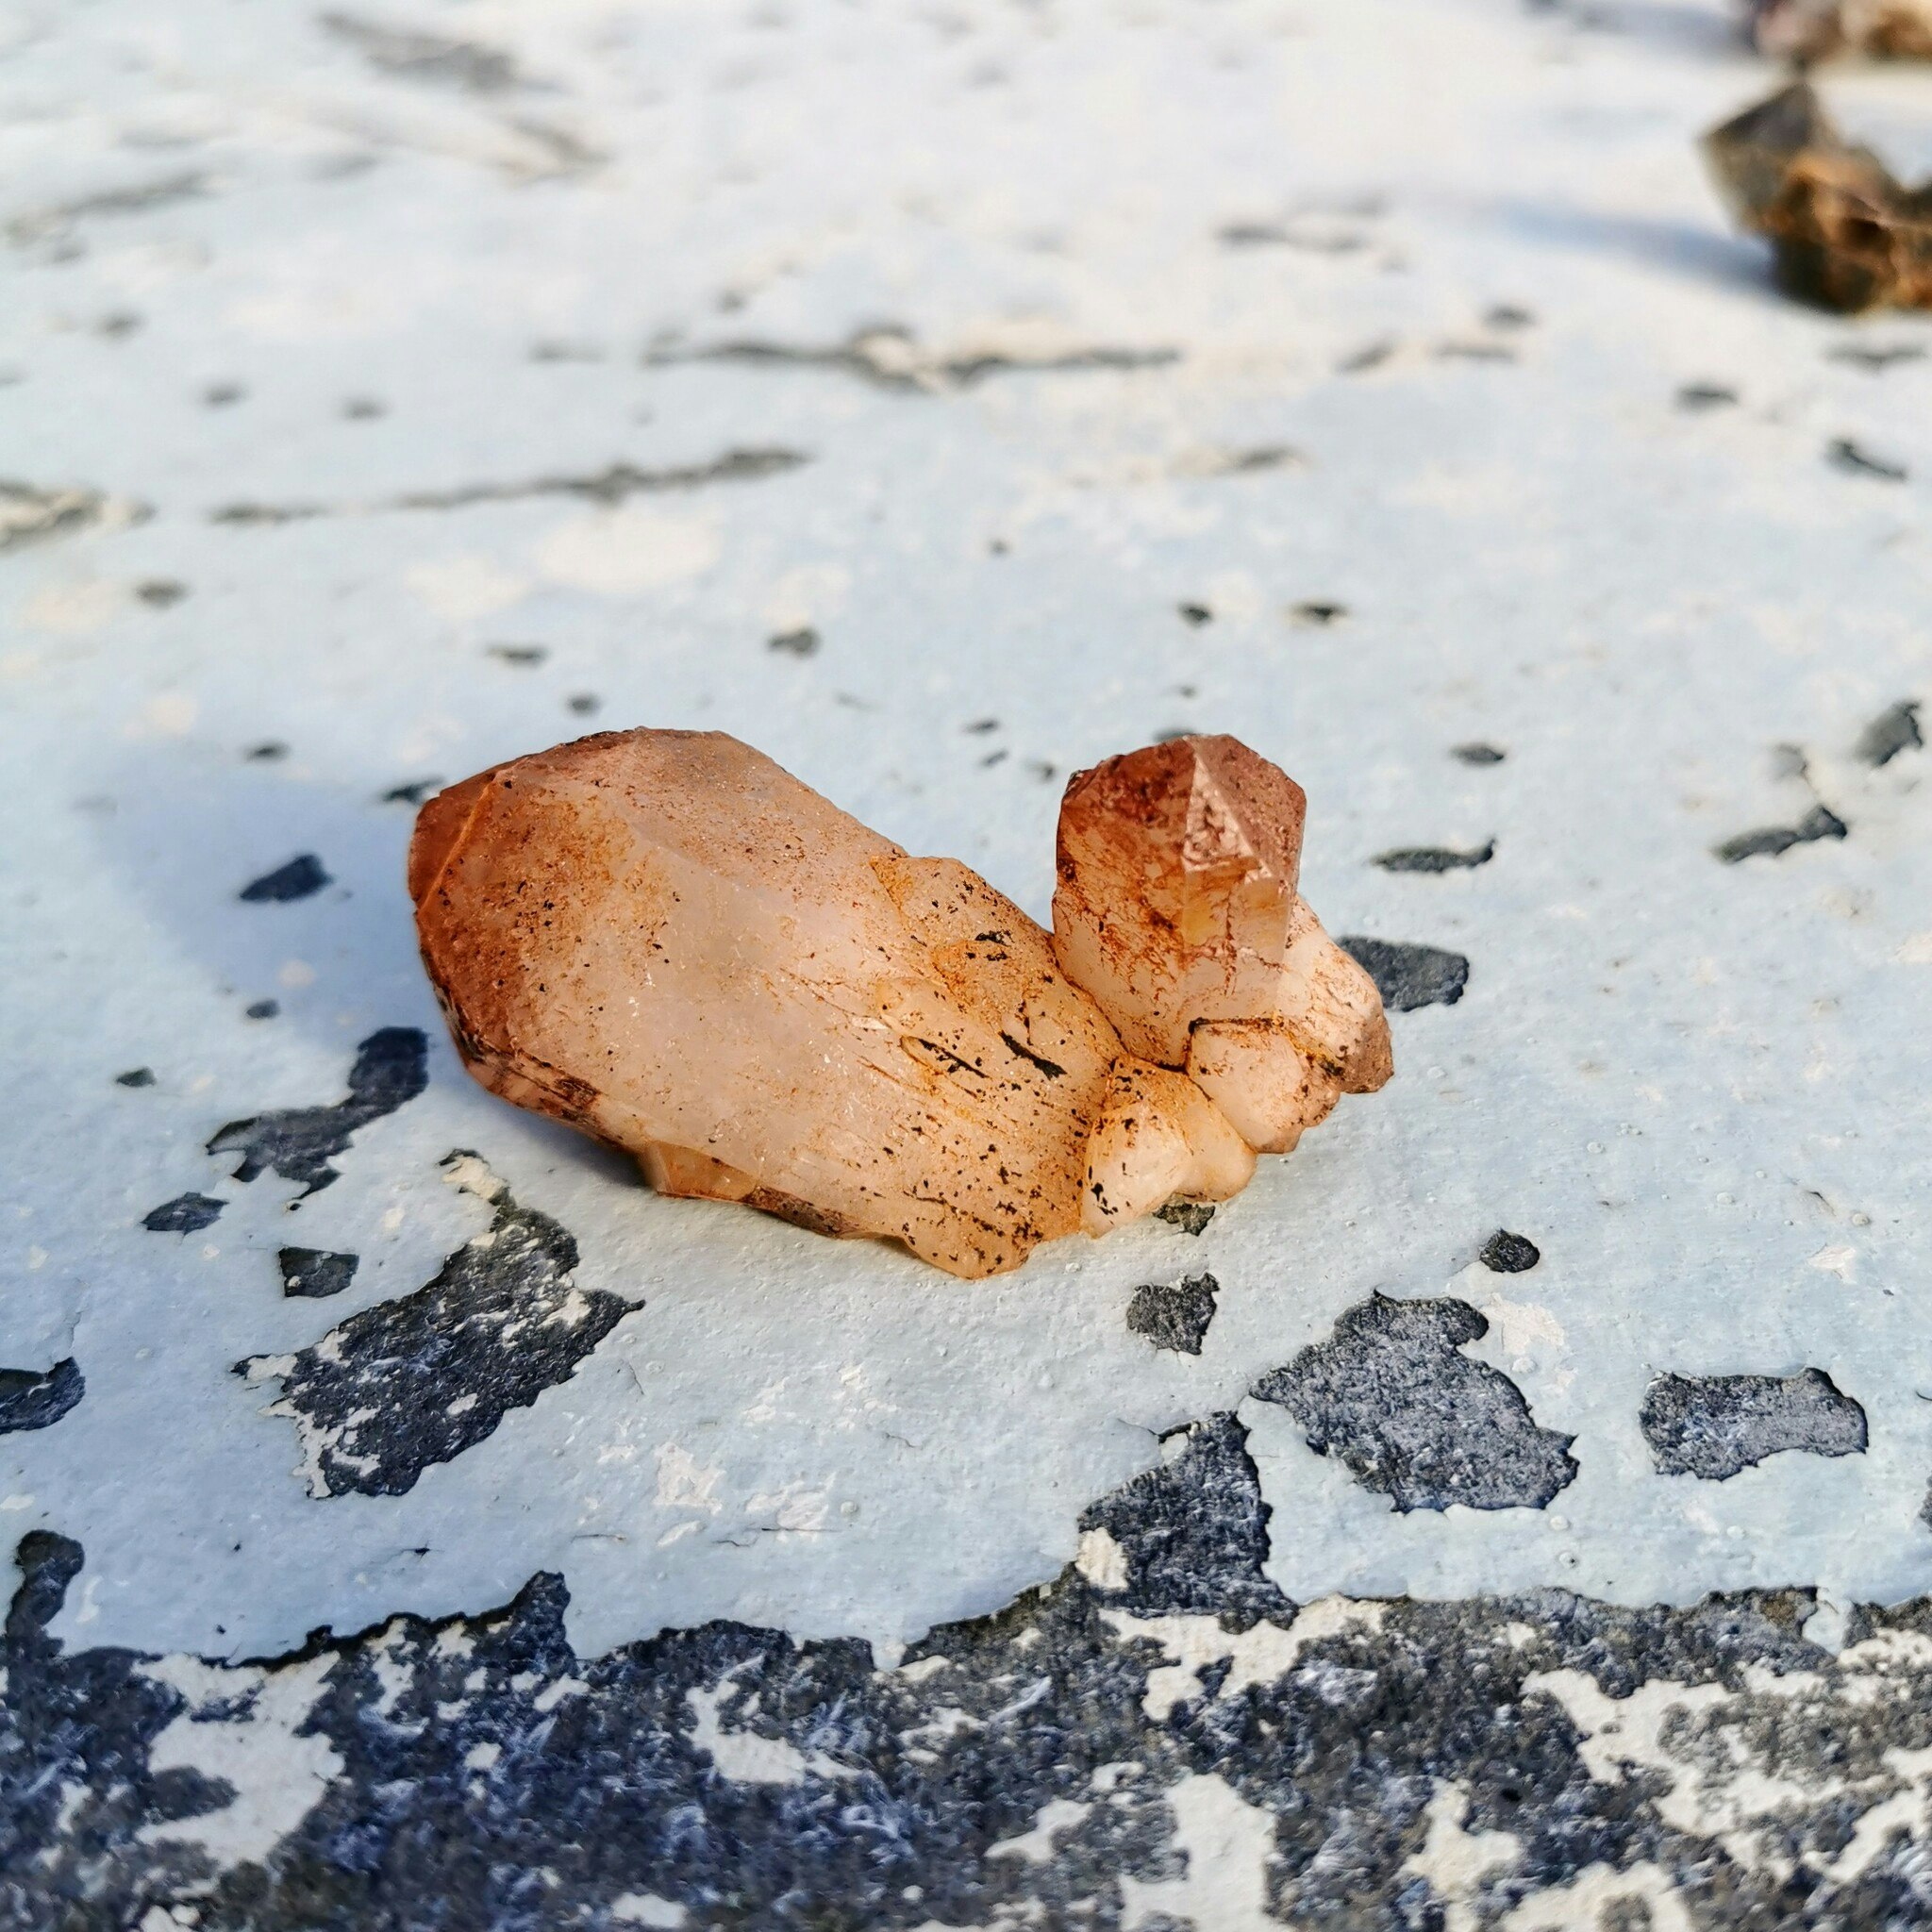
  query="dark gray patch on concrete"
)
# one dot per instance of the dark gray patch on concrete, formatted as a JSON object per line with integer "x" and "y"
{"x": 1193, "y": 1531}
{"x": 1820, "y": 822}
{"x": 184, "y": 1214}
{"x": 39, "y": 224}
{"x": 1190, "y": 1217}
{"x": 1175, "y": 1318}
{"x": 34, "y": 1399}
{"x": 1391, "y": 1395}
{"x": 1435, "y": 857}
{"x": 433, "y": 57}
{"x": 1409, "y": 977}
{"x": 1478, "y": 754}
{"x": 888, "y": 358}
{"x": 135, "y": 1077}
{"x": 261, "y": 1009}
{"x": 417, "y": 1381}
{"x": 1315, "y": 612}
{"x": 611, "y": 485}
{"x": 1281, "y": 235}
{"x": 413, "y": 791}
{"x": 1699, "y": 396}
{"x": 29, "y": 515}
{"x": 796, "y": 643}
{"x": 1891, "y": 733}
{"x": 1844, "y": 454}
{"x": 1509, "y": 1254}
{"x": 1370, "y": 355}
{"x": 526, "y": 657}
{"x": 1875, "y": 357}
{"x": 301, "y": 878}
{"x": 1714, "y": 1425}
{"x": 392, "y": 1067}
{"x": 1243, "y": 462}
{"x": 314, "y": 1273}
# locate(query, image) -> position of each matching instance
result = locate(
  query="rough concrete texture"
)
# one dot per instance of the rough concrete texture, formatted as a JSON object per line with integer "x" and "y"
{"x": 1391, "y": 1395}
{"x": 1106, "y": 1751}
{"x": 1714, "y": 1425}
{"x": 391, "y": 390}
{"x": 1176, "y": 1317}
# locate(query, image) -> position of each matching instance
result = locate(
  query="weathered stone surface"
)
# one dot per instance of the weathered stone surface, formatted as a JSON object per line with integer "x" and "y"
{"x": 391, "y": 1069}
{"x": 1714, "y": 1425}
{"x": 1159, "y": 1738}
{"x": 32, "y": 1400}
{"x": 417, "y": 1381}
{"x": 1175, "y": 1317}
{"x": 1391, "y": 1395}
{"x": 1409, "y": 976}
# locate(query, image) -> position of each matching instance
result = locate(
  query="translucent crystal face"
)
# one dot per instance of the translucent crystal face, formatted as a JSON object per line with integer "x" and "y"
{"x": 1176, "y": 909}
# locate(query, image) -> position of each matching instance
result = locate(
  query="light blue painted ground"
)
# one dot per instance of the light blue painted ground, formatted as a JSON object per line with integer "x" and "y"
{"x": 1702, "y": 1089}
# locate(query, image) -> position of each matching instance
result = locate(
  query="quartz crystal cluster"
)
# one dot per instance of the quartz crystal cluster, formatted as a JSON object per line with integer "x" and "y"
{"x": 667, "y": 941}
{"x": 1844, "y": 230}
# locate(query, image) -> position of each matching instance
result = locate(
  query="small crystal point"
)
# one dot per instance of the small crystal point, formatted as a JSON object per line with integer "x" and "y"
{"x": 1176, "y": 908}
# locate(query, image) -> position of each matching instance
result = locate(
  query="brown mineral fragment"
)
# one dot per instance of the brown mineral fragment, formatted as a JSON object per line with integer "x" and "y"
{"x": 1808, "y": 30}
{"x": 665, "y": 940}
{"x": 1846, "y": 233}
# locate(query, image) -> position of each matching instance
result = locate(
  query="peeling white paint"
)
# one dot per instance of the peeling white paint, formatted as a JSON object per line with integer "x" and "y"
{"x": 1101, "y": 1560}
{"x": 1587, "y": 1898}
{"x": 1229, "y": 1845}
{"x": 276, "y": 1776}
{"x": 1262, "y": 1655}
{"x": 1456, "y": 1861}
{"x": 747, "y": 1756}
{"x": 1037, "y": 1846}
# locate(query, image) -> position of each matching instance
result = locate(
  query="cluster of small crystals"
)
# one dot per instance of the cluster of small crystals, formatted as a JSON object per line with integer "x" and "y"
{"x": 1844, "y": 231}
{"x": 668, "y": 941}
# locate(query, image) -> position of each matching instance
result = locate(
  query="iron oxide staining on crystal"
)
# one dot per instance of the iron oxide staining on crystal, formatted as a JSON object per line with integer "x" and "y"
{"x": 887, "y": 1046}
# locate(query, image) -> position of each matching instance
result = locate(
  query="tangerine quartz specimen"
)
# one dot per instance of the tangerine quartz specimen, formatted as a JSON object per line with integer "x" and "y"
{"x": 671, "y": 943}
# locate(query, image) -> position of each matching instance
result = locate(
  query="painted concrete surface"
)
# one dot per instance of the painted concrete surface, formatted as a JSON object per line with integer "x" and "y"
{"x": 941, "y": 399}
